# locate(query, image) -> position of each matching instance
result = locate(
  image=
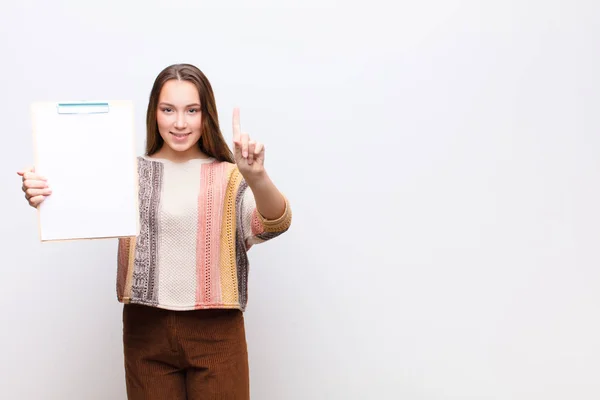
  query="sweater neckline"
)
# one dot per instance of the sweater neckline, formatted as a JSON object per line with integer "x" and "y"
{"x": 187, "y": 162}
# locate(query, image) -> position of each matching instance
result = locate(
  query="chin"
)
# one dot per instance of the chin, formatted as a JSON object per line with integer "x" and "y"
{"x": 181, "y": 147}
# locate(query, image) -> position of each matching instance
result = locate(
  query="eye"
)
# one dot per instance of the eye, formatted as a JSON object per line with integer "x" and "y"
{"x": 194, "y": 110}
{"x": 167, "y": 109}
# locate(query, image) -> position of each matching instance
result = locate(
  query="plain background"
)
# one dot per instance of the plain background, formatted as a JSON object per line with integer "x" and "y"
{"x": 442, "y": 162}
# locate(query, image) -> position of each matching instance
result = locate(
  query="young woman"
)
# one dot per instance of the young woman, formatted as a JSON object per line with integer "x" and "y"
{"x": 183, "y": 279}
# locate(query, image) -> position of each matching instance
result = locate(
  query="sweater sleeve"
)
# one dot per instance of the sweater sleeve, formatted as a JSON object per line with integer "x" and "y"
{"x": 256, "y": 228}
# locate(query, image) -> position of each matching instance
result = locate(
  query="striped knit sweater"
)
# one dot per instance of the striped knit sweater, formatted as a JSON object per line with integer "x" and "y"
{"x": 197, "y": 221}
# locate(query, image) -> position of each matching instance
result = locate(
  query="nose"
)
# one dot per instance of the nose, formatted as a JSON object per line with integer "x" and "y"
{"x": 180, "y": 122}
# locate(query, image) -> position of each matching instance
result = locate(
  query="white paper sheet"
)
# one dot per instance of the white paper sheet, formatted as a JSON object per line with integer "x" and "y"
{"x": 89, "y": 161}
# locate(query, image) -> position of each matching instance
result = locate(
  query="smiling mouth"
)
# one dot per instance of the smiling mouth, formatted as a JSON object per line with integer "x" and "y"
{"x": 180, "y": 135}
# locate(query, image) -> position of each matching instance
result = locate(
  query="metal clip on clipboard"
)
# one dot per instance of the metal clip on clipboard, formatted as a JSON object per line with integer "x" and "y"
{"x": 83, "y": 108}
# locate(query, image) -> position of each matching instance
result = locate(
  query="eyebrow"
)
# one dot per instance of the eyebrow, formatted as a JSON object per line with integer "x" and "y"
{"x": 171, "y": 105}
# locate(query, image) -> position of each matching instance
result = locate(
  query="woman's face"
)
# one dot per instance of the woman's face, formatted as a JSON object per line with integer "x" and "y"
{"x": 178, "y": 117}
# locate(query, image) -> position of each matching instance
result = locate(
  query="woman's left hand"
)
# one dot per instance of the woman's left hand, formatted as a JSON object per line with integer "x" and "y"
{"x": 249, "y": 154}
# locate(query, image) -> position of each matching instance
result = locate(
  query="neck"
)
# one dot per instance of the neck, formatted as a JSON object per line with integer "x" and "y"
{"x": 179, "y": 156}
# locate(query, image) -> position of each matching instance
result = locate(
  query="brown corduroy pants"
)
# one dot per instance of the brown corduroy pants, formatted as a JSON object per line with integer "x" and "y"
{"x": 185, "y": 355}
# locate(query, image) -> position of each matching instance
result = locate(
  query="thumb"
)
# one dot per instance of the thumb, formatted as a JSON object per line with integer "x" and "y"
{"x": 24, "y": 171}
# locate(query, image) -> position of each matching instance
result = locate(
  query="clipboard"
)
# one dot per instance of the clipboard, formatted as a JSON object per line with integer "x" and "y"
{"x": 86, "y": 151}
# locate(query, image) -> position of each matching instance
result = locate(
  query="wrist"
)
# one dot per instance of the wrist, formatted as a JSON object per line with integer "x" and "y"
{"x": 257, "y": 179}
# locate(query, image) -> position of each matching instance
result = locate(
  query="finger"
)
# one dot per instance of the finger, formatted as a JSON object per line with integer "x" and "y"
{"x": 34, "y": 184}
{"x": 260, "y": 155}
{"x": 26, "y": 188}
{"x": 237, "y": 149}
{"x": 36, "y": 201}
{"x": 237, "y": 130}
{"x": 38, "y": 192}
{"x": 245, "y": 138}
{"x": 25, "y": 170}
{"x": 251, "y": 147}
{"x": 259, "y": 150}
{"x": 33, "y": 176}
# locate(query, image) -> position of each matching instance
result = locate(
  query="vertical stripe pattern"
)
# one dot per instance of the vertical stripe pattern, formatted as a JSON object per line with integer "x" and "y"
{"x": 143, "y": 288}
{"x": 198, "y": 219}
{"x": 229, "y": 278}
{"x": 178, "y": 216}
{"x": 210, "y": 211}
{"x": 241, "y": 258}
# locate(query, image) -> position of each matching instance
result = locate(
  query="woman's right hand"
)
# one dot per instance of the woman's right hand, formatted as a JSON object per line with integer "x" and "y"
{"x": 34, "y": 186}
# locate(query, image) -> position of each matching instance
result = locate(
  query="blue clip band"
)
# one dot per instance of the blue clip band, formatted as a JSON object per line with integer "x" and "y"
{"x": 82, "y": 108}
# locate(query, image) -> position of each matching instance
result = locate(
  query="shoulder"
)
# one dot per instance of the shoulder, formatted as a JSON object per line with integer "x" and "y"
{"x": 230, "y": 169}
{"x": 227, "y": 173}
{"x": 226, "y": 167}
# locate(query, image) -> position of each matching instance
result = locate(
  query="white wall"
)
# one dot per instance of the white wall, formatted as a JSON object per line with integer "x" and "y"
{"x": 442, "y": 160}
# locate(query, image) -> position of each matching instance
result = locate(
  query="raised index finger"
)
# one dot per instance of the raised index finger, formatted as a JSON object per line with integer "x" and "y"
{"x": 237, "y": 130}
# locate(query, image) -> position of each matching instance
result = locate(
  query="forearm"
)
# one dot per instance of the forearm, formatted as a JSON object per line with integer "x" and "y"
{"x": 270, "y": 203}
